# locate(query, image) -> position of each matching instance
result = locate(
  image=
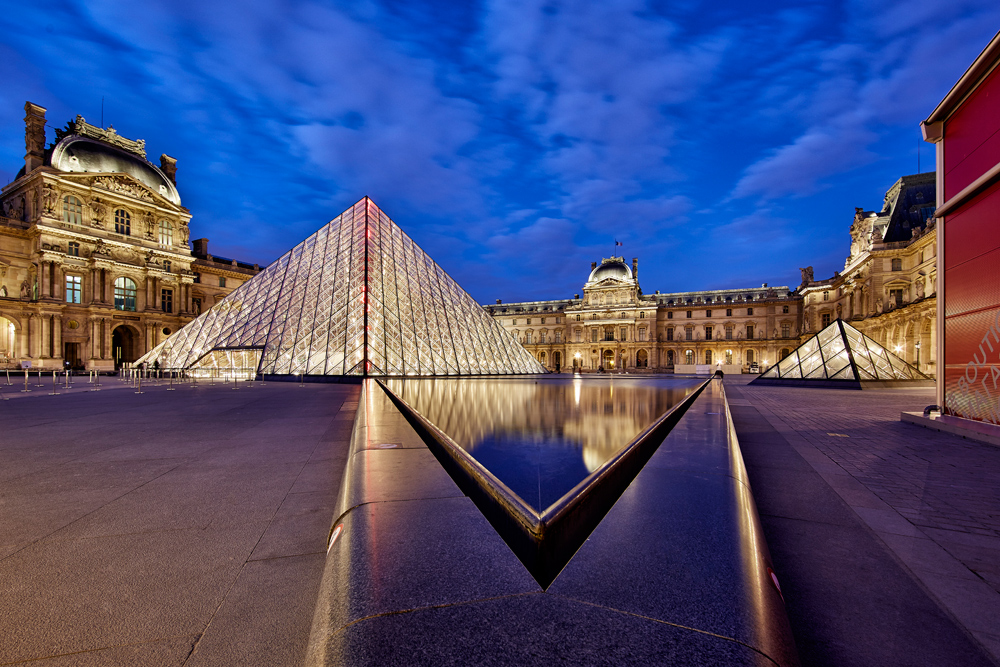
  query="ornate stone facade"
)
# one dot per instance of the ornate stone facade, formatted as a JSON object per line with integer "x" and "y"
{"x": 95, "y": 267}
{"x": 887, "y": 290}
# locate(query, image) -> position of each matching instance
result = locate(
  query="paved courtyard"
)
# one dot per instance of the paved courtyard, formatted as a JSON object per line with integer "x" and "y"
{"x": 188, "y": 527}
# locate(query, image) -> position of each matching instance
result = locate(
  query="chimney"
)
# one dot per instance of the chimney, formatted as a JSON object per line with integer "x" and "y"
{"x": 199, "y": 248}
{"x": 499, "y": 302}
{"x": 168, "y": 165}
{"x": 635, "y": 268}
{"x": 34, "y": 137}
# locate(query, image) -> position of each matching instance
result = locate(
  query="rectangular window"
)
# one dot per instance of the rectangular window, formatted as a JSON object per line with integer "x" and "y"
{"x": 527, "y": 338}
{"x": 897, "y": 264}
{"x": 543, "y": 320}
{"x": 670, "y": 314}
{"x": 749, "y": 331}
{"x": 541, "y": 337}
{"x": 689, "y": 334}
{"x": 670, "y": 333}
{"x": 749, "y": 311}
{"x": 708, "y": 333}
{"x": 167, "y": 300}
{"x": 642, "y": 335}
{"x": 559, "y": 336}
{"x": 786, "y": 331}
{"x": 729, "y": 332}
{"x": 708, "y": 313}
{"x": 784, "y": 309}
{"x": 689, "y": 314}
{"x": 166, "y": 265}
{"x": 825, "y": 317}
{"x": 73, "y": 289}
{"x": 222, "y": 281}
{"x": 74, "y": 249}
{"x": 623, "y": 334}
{"x": 579, "y": 336}
{"x": 729, "y": 312}
{"x": 593, "y": 335}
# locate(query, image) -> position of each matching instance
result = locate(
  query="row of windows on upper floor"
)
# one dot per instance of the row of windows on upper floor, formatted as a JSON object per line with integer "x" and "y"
{"x": 598, "y": 334}
{"x": 124, "y": 292}
{"x": 73, "y": 214}
{"x": 642, "y": 315}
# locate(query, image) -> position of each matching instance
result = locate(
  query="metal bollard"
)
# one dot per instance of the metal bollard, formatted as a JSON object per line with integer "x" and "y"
{"x": 53, "y": 392}
{"x": 139, "y": 382}
{"x": 39, "y": 379}
{"x": 25, "y": 390}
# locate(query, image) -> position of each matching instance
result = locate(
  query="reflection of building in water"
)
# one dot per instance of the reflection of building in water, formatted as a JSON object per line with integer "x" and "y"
{"x": 602, "y": 416}
{"x": 887, "y": 290}
{"x": 95, "y": 266}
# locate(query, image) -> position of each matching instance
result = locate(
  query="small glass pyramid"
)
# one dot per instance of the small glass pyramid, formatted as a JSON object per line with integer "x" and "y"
{"x": 841, "y": 352}
{"x": 358, "y": 297}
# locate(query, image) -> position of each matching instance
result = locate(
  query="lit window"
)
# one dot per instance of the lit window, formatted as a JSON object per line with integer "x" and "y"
{"x": 166, "y": 234}
{"x": 729, "y": 356}
{"x": 167, "y": 300}
{"x": 124, "y": 294}
{"x": 688, "y": 356}
{"x": 123, "y": 222}
{"x": 73, "y": 249}
{"x": 72, "y": 210}
{"x": 73, "y": 289}
{"x": 222, "y": 283}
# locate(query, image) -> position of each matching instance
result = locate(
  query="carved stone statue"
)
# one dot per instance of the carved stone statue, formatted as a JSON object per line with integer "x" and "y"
{"x": 49, "y": 198}
{"x": 840, "y": 309}
{"x": 15, "y": 208}
{"x": 807, "y": 274}
{"x": 25, "y": 289}
{"x": 920, "y": 288}
{"x": 878, "y": 307}
{"x": 149, "y": 222}
{"x": 97, "y": 212}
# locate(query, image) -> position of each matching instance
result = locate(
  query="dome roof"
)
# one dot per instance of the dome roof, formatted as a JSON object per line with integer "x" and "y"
{"x": 610, "y": 268}
{"x": 84, "y": 155}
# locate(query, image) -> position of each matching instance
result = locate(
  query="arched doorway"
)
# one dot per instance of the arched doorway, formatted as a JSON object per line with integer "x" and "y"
{"x": 8, "y": 341}
{"x": 708, "y": 357}
{"x": 557, "y": 360}
{"x": 642, "y": 359}
{"x": 609, "y": 359}
{"x": 670, "y": 357}
{"x": 124, "y": 345}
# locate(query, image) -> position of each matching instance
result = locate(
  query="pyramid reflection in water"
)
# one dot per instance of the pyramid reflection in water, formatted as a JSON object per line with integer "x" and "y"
{"x": 840, "y": 353}
{"x": 358, "y": 297}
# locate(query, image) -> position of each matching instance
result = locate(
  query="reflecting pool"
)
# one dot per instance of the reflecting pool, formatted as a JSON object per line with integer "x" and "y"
{"x": 542, "y": 436}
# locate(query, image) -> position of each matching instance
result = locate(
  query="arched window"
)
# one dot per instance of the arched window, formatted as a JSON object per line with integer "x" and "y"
{"x": 708, "y": 356}
{"x": 670, "y": 357}
{"x": 688, "y": 356}
{"x": 729, "y": 356}
{"x": 124, "y": 294}
{"x": 749, "y": 356}
{"x": 166, "y": 234}
{"x": 541, "y": 357}
{"x": 123, "y": 223}
{"x": 72, "y": 210}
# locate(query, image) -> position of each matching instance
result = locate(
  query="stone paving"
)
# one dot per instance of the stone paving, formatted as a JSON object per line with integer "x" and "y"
{"x": 932, "y": 498}
{"x": 182, "y": 527}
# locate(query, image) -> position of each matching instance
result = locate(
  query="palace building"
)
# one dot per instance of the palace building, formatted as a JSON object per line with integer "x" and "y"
{"x": 95, "y": 261}
{"x": 887, "y": 290}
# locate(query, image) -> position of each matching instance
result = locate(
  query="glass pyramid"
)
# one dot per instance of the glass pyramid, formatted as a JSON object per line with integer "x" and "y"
{"x": 841, "y": 352}
{"x": 358, "y": 297}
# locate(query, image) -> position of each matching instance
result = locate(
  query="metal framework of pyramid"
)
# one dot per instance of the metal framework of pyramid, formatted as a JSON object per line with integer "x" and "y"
{"x": 356, "y": 298}
{"x": 840, "y": 352}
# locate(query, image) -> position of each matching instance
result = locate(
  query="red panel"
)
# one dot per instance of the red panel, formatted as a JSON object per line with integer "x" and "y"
{"x": 966, "y": 133}
{"x": 974, "y": 230}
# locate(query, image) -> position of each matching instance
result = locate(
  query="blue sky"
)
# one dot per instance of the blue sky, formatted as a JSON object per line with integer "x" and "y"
{"x": 725, "y": 144}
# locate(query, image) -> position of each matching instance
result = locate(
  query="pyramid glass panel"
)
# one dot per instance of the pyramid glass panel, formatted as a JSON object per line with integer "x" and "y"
{"x": 358, "y": 297}
{"x": 829, "y": 355}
